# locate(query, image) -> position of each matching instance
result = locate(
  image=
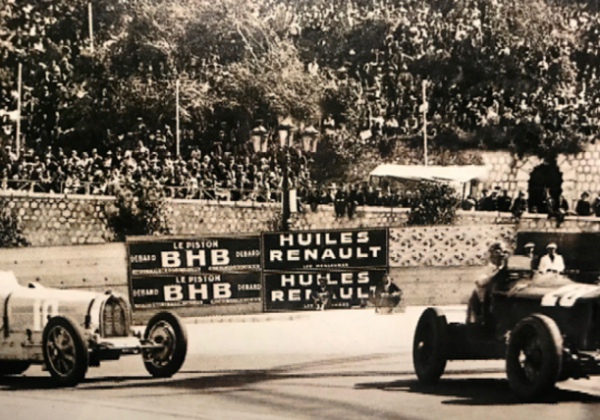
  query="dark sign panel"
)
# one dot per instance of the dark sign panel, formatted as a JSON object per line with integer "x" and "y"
{"x": 318, "y": 250}
{"x": 208, "y": 288}
{"x": 156, "y": 256}
{"x": 292, "y": 291}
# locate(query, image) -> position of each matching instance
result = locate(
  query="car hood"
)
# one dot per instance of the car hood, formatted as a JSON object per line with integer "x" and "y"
{"x": 554, "y": 290}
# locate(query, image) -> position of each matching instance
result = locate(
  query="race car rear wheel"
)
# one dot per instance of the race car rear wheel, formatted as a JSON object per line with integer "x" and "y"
{"x": 15, "y": 367}
{"x": 430, "y": 346}
{"x": 165, "y": 329}
{"x": 534, "y": 356}
{"x": 65, "y": 351}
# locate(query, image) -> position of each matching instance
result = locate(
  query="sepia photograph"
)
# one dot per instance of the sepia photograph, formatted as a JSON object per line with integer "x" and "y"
{"x": 300, "y": 209}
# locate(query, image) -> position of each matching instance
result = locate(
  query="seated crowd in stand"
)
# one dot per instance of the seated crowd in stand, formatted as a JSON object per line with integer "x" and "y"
{"x": 212, "y": 176}
{"x": 223, "y": 176}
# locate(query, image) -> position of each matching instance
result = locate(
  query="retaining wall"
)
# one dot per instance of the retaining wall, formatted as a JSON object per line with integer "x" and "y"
{"x": 433, "y": 265}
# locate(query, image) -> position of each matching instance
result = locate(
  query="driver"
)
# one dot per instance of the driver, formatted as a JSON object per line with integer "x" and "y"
{"x": 498, "y": 257}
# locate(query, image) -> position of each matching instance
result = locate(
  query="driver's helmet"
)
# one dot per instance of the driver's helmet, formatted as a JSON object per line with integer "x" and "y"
{"x": 497, "y": 254}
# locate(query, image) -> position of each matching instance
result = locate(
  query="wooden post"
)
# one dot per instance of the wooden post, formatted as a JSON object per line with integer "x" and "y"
{"x": 18, "y": 130}
{"x": 425, "y": 106}
{"x": 91, "y": 27}
{"x": 177, "y": 139}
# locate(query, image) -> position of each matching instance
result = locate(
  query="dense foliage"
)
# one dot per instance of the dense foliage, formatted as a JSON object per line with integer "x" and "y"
{"x": 518, "y": 75}
{"x": 11, "y": 231}
{"x": 436, "y": 204}
{"x": 138, "y": 211}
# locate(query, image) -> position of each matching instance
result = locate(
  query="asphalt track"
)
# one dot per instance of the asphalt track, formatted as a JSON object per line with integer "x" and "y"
{"x": 338, "y": 365}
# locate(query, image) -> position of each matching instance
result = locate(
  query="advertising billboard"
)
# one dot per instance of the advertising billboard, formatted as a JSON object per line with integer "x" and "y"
{"x": 156, "y": 256}
{"x": 327, "y": 249}
{"x": 290, "y": 291}
{"x": 208, "y": 288}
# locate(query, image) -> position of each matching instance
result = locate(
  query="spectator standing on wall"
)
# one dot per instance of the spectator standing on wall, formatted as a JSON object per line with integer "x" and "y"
{"x": 519, "y": 205}
{"x": 468, "y": 203}
{"x": 504, "y": 201}
{"x": 482, "y": 200}
{"x": 340, "y": 202}
{"x": 583, "y": 206}
{"x": 596, "y": 206}
{"x": 352, "y": 201}
{"x": 563, "y": 204}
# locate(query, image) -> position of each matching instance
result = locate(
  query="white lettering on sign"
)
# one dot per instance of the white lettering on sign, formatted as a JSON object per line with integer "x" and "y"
{"x": 222, "y": 290}
{"x": 191, "y": 257}
{"x": 219, "y": 256}
{"x": 306, "y": 239}
{"x": 316, "y": 254}
{"x": 170, "y": 259}
{"x": 173, "y": 293}
{"x": 173, "y": 259}
{"x": 195, "y": 290}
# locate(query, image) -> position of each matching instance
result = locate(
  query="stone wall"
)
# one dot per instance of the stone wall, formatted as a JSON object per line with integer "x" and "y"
{"x": 433, "y": 265}
{"x": 580, "y": 172}
{"x": 58, "y": 220}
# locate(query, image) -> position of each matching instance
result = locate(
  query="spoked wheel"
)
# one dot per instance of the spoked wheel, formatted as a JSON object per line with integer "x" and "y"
{"x": 534, "y": 357}
{"x": 167, "y": 330}
{"x": 13, "y": 368}
{"x": 430, "y": 346}
{"x": 65, "y": 351}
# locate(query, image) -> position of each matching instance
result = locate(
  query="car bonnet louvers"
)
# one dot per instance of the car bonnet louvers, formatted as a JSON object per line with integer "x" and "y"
{"x": 115, "y": 318}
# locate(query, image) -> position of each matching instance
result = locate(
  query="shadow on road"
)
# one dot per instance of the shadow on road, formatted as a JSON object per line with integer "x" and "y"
{"x": 210, "y": 381}
{"x": 476, "y": 391}
{"x": 32, "y": 383}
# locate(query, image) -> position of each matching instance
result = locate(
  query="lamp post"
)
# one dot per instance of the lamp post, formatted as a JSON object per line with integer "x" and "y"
{"x": 284, "y": 131}
{"x": 256, "y": 137}
{"x": 309, "y": 139}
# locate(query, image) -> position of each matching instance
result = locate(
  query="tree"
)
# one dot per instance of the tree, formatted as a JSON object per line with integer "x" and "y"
{"x": 139, "y": 211}
{"x": 435, "y": 204}
{"x": 11, "y": 230}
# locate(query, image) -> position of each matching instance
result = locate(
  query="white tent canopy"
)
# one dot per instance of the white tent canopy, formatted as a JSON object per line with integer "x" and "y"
{"x": 449, "y": 174}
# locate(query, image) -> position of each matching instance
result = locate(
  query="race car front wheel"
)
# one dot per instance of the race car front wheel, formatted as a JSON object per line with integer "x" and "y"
{"x": 167, "y": 330}
{"x": 430, "y": 346}
{"x": 65, "y": 351}
{"x": 534, "y": 356}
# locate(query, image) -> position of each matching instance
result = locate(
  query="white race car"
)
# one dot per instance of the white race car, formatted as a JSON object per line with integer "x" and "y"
{"x": 67, "y": 331}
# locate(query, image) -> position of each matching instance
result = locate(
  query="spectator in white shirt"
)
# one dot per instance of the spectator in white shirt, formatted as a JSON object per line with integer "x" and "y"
{"x": 551, "y": 262}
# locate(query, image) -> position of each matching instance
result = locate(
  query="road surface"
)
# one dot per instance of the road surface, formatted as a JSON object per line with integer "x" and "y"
{"x": 336, "y": 365}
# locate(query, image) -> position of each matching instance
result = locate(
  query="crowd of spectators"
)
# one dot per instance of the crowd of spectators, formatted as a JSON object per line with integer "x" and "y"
{"x": 215, "y": 175}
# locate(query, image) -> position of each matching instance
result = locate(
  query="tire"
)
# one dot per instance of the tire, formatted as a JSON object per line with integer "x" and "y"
{"x": 65, "y": 351}
{"x": 430, "y": 346}
{"x": 534, "y": 357}
{"x": 165, "y": 328}
{"x": 14, "y": 367}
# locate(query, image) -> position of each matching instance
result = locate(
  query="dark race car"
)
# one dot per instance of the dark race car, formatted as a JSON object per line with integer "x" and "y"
{"x": 546, "y": 326}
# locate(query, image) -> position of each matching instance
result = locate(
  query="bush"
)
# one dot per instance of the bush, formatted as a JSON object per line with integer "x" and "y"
{"x": 11, "y": 232}
{"x": 436, "y": 204}
{"x": 141, "y": 211}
